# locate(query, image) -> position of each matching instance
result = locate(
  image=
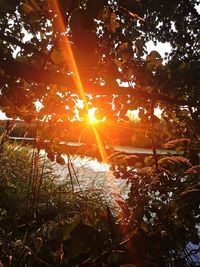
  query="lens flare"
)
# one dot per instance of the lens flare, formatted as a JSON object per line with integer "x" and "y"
{"x": 67, "y": 50}
{"x": 68, "y": 55}
{"x": 70, "y": 60}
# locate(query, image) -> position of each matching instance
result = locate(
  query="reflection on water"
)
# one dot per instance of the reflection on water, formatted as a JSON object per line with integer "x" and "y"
{"x": 90, "y": 163}
{"x": 91, "y": 176}
{"x": 139, "y": 150}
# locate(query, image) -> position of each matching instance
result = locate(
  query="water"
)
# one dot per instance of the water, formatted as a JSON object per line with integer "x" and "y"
{"x": 92, "y": 177}
{"x": 89, "y": 175}
{"x": 127, "y": 149}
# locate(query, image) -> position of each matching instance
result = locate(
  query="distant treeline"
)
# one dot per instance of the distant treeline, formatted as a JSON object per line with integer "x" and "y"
{"x": 118, "y": 133}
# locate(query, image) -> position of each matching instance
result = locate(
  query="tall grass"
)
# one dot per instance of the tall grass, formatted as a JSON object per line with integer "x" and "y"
{"x": 37, "y": 206}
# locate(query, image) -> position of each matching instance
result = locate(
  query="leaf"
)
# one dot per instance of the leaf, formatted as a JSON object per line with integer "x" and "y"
{"x": 114, "y": 24}
{"x": 193, "y": 170}
{"x": 106, "y": 13}
{"x": 78, "y": 247}
{"x": 27, "y": 8}
{"x": 55, "y": 233}
{"x": 132, "y": 8}
{"x": 138, "y": 164}
{"x": 60, "y": 160}
{"x": 31, "y": 11}
{"x": 35, "y": 5}
{"x": 173, "y": 160}
{"x": 51, "y": 156}
{"x": 62, "y": 231}
{"x": 153, "y": 60}
{"x": 3, "y": 214}
{"x": 119, "y": 158}
{"x": 68, "y": 228}
{"x": 124, "y": 52}
{"x": 32, "y": 17}
{"x": 110, "y": 20}
{"x": 144, "y": 227}
{"x": 175, "y": 142}
{"x": 139, "y": 44}
{"x": 148, "y": 160}
{"x": 57, "y": 57}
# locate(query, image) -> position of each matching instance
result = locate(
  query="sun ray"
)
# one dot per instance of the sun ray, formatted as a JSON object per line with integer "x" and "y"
{"x": 70, "y": 60}
{"x": 67, "y": 51}
{"x": 100, "y": 145}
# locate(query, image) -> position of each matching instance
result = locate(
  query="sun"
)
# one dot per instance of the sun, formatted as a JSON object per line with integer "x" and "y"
{"x": 91, "y": 116}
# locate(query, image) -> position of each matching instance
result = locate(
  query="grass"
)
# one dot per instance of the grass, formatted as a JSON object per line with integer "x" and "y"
{"x": 41, "y": 215}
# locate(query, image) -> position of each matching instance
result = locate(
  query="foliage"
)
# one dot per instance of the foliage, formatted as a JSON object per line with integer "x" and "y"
{"x": 163, "y": 206}
{"x": 116, "y": 36}
{"x": 75, "y": 55}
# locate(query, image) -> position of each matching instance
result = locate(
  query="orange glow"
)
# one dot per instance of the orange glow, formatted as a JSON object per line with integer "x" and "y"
{"x": 71, "y": 63}
{"x": 100, "y": 145}
{"x": 70, "y": 60}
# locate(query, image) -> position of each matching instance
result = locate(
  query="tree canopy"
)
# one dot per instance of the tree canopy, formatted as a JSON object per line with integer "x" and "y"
{"x": 74, "y": 55}
{"x": 51, "y": 50}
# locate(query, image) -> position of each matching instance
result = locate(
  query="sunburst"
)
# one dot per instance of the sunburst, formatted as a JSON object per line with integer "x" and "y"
{"x": 91, "y": 116}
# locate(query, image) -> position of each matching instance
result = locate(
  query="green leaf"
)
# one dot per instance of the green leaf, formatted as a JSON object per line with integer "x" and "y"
{"x": 2, "y": 214}
{"x": 68, "y": 228}
{"x": 138, "y": 164}
{"x": 62, "y": 231}
{"x": 148, "y": 160}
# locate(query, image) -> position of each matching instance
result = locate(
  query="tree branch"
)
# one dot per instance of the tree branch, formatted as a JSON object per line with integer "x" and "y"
{"x": 32, "y": 73}
{"x": 26, "y": 46}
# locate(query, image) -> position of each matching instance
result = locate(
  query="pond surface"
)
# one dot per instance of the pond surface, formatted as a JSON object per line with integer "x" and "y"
{"x": 89, "y": 175}
{"x": 93, "y": 177}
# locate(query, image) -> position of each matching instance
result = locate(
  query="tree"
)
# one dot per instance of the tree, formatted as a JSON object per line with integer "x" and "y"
{"x": 59, "y": 52}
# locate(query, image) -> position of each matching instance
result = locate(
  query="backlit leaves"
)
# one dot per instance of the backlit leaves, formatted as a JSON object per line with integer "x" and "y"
{"x": 173, "y": 160}
{"x": 153, "y": 60}
{"x": 125, "y": 52}
{"x": 57, "y": 57}
{"x": 177, "y": 142}
{"x": 110, "y": 19}
{"x": 31, "y": 11}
